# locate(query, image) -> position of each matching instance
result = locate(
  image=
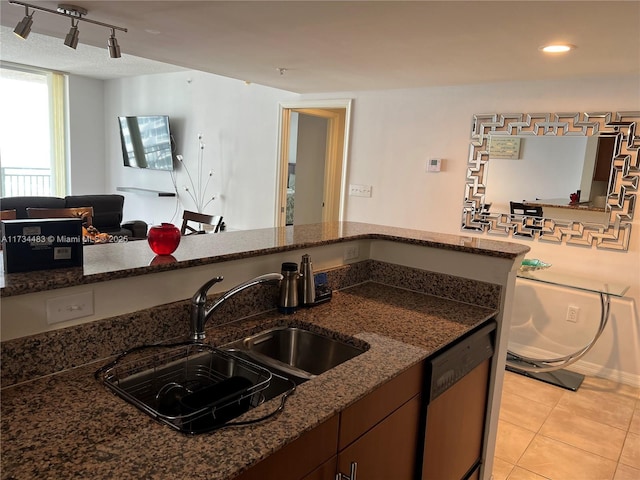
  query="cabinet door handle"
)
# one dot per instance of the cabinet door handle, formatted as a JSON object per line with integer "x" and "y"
{"x": 352, "y": 473}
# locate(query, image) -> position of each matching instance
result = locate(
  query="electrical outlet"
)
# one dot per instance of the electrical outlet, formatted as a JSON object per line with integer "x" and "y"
{"x": 69, "y": 307}
{"x": 351, "y": 252}
{"x": 572, "y": 313}
{"x": 360, "y": 190}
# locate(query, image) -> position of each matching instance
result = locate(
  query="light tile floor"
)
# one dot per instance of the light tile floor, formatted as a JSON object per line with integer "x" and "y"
{"x": 547, "y": 432}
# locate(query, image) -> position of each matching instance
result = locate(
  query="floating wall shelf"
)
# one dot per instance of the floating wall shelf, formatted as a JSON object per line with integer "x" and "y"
{"x": 146, "y": 191}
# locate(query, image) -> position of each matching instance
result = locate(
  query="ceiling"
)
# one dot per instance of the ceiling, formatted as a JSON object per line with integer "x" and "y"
{"x": 329, "y": 46}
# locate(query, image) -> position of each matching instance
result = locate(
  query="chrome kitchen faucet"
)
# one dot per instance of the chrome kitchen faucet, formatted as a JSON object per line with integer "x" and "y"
{"x": 200, "y": 314}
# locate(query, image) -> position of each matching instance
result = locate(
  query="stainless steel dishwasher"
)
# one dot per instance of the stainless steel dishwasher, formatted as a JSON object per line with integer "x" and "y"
{"x": 457, "y": 384}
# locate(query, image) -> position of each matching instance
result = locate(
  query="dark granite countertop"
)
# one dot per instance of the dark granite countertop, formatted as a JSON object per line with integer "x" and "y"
{"x": 67, "y": 425}
{"x": 111, "y": 261}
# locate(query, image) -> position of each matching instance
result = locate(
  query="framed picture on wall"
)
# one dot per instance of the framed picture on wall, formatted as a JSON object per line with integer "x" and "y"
{"x": 505, "y": 148}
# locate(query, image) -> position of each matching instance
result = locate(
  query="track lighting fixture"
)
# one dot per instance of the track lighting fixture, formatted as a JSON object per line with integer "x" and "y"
{"x": 71, "y": 40}
{"x": 24, "y": 26}
{"x": 76, "y": 14}
{"x": 114, "y": 48}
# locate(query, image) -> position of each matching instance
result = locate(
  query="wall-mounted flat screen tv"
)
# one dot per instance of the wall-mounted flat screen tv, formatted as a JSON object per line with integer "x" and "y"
{"x": 146, "y": 142}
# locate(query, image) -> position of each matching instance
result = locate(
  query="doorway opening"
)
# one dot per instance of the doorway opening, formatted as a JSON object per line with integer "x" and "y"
{"x": 312, "y": 162}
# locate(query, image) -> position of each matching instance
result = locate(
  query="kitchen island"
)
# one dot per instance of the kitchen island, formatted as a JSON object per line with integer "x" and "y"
{"x": 406, "y": 297}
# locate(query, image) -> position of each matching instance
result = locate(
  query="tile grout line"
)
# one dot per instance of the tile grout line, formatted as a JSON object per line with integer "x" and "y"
{"x": 622, "y": 449}
{"x": 620, "y": 462}
{"x": 530, "y": 471}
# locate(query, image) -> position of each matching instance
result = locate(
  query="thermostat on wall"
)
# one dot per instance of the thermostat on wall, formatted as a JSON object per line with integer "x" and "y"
{"x": 434, "y": 164}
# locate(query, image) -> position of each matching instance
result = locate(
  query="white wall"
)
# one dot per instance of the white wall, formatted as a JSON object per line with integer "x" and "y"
{"x": 239, "y": 125}
{"x": 395, "y": 132}
{"x": 86, "y": 145}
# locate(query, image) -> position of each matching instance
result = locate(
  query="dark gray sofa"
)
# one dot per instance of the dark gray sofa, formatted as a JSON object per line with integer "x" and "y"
{"x": 107, "y": 211}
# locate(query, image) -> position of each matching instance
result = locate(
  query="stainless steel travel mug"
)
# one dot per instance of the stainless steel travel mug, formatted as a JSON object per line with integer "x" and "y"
{"x": 308, "y": 287}
{"x": 288, "y": 302}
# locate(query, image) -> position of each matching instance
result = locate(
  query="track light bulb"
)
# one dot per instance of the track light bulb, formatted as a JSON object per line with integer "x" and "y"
{"x": 114, "y": 48}
{"x": 71, "y": 40}
{"x": 23, "y": 29}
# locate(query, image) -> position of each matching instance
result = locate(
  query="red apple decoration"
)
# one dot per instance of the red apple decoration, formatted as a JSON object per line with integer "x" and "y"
{"x": 164, "y": 238}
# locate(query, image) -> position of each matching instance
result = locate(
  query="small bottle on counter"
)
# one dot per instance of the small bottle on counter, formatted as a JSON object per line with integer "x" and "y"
{"x": 323, "y": 290}
{"x": 288, "y": 301}
{"x": 307, "y": 284}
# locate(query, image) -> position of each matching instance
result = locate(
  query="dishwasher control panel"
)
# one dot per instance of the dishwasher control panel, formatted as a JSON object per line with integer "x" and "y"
{"x": 457, "y": 361}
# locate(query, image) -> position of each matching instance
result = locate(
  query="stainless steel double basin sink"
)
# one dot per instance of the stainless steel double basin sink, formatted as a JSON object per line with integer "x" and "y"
{"x": 197, "y": 388}
{"x": 296, "y": 352}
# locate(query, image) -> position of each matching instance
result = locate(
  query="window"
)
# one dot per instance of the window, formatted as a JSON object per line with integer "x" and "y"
{"x": 32, "y": 132}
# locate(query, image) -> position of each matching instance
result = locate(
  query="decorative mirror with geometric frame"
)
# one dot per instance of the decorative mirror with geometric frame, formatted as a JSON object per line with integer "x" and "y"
{"x": 624, "y": 177}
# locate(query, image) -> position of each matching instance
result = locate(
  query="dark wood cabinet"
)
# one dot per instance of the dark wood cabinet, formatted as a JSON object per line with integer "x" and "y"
{"x": 389, "y": 449}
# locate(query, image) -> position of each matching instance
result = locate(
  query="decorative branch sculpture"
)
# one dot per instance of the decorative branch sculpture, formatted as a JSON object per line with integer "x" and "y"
{"x": 196, "y": 190}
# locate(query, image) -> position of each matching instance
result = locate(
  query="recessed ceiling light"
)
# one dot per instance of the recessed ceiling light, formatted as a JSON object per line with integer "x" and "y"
{"x": 557, "y": 48}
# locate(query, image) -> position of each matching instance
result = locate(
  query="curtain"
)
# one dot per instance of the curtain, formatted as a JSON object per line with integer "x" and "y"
{"x": 57, "y": 110}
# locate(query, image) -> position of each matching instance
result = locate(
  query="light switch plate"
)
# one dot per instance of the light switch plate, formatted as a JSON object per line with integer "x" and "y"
{"x": 359, "y": 190}
{"x": 69, "y": 307}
